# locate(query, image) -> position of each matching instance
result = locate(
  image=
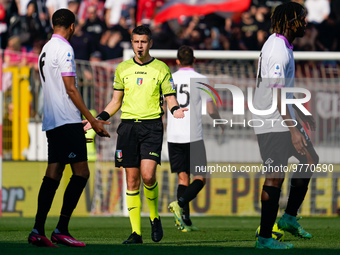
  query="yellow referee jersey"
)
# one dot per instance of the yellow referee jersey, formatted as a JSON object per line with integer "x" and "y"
{"x": 144, "y": 86}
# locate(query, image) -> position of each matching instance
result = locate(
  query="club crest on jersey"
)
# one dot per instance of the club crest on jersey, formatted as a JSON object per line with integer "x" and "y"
{"x": 139, "y": 81}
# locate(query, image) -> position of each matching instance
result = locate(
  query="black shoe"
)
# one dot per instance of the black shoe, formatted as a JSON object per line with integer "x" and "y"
{"x": 133, "y": 238}
{"x": 156, "y": 230}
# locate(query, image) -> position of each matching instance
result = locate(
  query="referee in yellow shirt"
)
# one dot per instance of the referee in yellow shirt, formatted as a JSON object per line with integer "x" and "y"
{"x": 139, "y": 86}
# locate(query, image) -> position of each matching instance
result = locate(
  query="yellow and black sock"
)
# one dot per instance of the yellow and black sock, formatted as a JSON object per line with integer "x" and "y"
{"x": 134, "y": 206}
{"x": 151, "y": 194}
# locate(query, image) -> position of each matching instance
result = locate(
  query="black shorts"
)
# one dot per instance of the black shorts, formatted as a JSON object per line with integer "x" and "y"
{"x": 187, "y": 157}
{"x": 277, "y": 147}
{"x": 66, "y": 144}
{"x": 137, "y": 141}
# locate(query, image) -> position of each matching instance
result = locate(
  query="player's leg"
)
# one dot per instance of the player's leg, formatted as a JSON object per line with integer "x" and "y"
{"x": 151, "y": 138}
{"x": 48, "y": 187}
{"x": 72, "y": 195}
{"x": 74, "y": 153}
{"x": 179, "y": 157}
{"x": 298, "y": 189}
{"x": 270, "y": 203}
{"x": 45, "y": 198}
{"x": 196, "y": 156}
{"x": 128, "y": 156}
{"x": 274, "y": 153}
{"x": 148, "y": 170}
{"x": 183, "y": 183}
{"x": 134, "y": 204}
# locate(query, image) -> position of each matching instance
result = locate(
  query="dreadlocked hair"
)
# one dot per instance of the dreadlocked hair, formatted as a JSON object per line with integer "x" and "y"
{"x": 286, "y": 14}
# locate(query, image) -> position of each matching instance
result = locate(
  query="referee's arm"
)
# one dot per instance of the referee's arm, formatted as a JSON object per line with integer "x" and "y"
{"x": 115, "y": 103}
{"x": 178, "y": 113}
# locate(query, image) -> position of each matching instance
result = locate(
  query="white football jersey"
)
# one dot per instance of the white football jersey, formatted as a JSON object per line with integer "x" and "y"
{"x": 55, "y": 61}
{"x": 276, "y": 69}
{"x": 188, "y": 94}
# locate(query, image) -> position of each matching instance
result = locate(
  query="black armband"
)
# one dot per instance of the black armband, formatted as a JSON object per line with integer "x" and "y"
{"x": 103, "y": 116}
{"x": 173, "y": 109}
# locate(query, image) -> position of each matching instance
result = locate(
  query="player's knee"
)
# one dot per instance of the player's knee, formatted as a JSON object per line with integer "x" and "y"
{"x": 84, "y": 174}
{"x": 183, "y": 178}
{"x": 201, "y": 178}
{"x": 274, "y": 182}
{"x": 149, "y": 179}
{"x": 270, "y": 194}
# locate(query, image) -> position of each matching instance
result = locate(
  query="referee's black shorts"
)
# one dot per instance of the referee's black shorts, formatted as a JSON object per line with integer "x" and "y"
{"x": 187, "y": 157}
{"x": 66, "y": 144}
{"x": 138, "y": 140}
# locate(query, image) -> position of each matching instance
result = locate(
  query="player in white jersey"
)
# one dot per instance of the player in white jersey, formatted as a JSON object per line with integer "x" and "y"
{"x": 278, "y": 141}
{"x": 185, "y": 136}
{"x": 64, "y": 130}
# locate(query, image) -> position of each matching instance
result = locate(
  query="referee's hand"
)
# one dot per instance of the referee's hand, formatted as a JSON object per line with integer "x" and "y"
{"x": 179, "y": 113}
{"x": 98, "y": 127}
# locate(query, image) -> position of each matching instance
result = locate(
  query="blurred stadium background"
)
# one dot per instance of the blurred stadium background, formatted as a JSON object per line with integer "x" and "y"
{"x": 24, "y": 148}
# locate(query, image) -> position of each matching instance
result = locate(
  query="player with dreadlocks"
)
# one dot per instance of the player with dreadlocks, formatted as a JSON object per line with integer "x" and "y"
{"x": 277, "y": 141}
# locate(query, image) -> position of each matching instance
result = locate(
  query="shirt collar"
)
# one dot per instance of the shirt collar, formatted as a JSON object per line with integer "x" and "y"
{"x": 187, "y": 69}
{"x": 61, "y": 37}
{"x": 289, "y": 46}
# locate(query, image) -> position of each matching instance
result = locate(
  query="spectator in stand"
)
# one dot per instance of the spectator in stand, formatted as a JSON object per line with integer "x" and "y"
{"x": 15, "y": 54}
{"x": 94, "y": 26}
{"x": 82, "y": 43}
{"x": 213, "y": 42}
{"x": 327, "y": 34}
{"x": 318, "y": 10}
{"x": 110, "y": 45}
{"x": 22, "y": 6}
{"x": 262, "y": 17}
{"x": 27, "y": 27}
{"x": 307, "y": 43}
{"x": 115, "y": 10}
{"x": 33, "y": 55}
{"x": 249, "y": 30}
{"x": 43, "y": 16}
{"x": 129, "y": 15}
{"x": 235, "y": 39}
{"x": 146, "y": 10}
{"x": 73, "y": 6}
{"x": 3, "y": 26}
{"x": 84, "y": 13}
{"x": 164, "y": 38}
{"x": 53, "y": 5}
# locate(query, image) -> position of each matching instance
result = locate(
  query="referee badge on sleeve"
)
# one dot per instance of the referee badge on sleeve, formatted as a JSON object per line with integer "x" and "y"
{"x": 172, "y": 83}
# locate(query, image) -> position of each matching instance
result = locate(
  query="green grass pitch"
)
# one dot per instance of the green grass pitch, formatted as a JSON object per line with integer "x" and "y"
{"x": 218, "y": 235}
